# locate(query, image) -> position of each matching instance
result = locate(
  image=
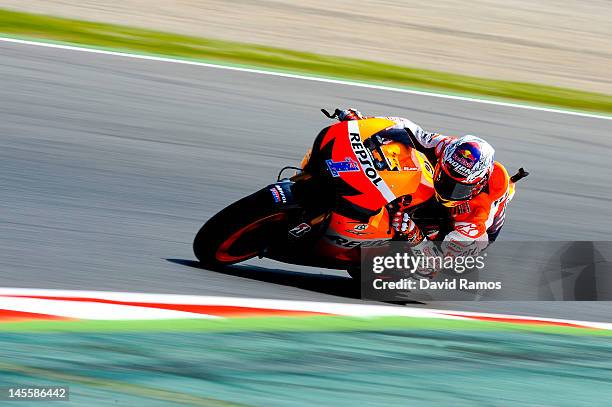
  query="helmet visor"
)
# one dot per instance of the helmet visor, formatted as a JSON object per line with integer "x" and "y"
{"x": 450, "y": 189}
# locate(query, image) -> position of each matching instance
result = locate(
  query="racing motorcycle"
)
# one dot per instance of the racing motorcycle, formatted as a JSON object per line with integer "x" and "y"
{"x": 342, "y": 198}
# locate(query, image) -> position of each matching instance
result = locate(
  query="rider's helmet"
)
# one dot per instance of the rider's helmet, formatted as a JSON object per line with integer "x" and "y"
{"x": 463, "y": 170}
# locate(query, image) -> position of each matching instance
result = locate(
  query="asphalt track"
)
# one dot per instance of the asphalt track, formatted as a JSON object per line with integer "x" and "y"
{"x": 109, "y": 165}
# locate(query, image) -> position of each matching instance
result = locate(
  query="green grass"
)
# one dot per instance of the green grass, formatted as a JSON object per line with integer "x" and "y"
{"x": 290, "y": 324}
{"x": 121, "y": 38}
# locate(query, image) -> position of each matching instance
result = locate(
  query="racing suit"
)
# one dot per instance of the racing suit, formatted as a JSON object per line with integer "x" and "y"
{"x": 476, "y": 222}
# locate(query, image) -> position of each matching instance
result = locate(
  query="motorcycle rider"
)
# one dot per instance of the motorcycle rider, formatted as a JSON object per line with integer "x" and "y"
{"x": 475, "y": 188}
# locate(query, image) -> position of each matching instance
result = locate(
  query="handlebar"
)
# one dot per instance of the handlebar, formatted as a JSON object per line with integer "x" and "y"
{"x": 331, "y": 116}
{"x": 519, "y": 175}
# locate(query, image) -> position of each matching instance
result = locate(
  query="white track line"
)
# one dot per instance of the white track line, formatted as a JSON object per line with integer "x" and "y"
{"x": 303, "y": 77}
{"x": 347, "y": 309}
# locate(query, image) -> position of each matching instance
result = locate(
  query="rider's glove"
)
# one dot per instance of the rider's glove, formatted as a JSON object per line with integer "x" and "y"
{"x": 406, "y": 229}
{"x": 349, "y": 114}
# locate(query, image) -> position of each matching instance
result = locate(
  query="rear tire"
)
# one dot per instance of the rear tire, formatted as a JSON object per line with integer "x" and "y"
{"x": 241, "y": 231}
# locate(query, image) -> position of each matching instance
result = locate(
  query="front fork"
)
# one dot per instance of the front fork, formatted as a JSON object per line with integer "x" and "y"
{"x": 306, "y": 209}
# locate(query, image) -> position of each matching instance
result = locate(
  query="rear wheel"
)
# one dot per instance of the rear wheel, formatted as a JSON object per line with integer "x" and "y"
{"x": 240, "y": 231}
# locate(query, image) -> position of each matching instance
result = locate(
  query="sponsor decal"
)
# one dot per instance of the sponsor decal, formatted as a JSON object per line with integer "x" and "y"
{"x": 465, "y": 159}
{"x": 336, "y": 167}
{"x": 349, "y": 244}
{"x": 467, "y": 229}
{"x": 275, "y": 195}
{"x": 363, "y": 155}
{"x": 361, "y": 226}
{"x": 300, "y": 230}
{"x": 467, "y": 154}
{"x": 278, "y": 194}
{"x": 460, "y": 209}
{"x": 366, "y": 162}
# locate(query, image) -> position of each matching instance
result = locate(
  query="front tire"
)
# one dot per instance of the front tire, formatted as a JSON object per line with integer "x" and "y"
{"x": 241, "y": 231}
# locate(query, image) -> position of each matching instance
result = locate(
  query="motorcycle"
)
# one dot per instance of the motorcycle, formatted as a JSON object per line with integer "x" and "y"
{"x": 341, "y": 199}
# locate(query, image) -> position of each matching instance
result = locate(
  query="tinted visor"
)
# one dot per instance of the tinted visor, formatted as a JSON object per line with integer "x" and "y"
{"x": 450, "y": 189}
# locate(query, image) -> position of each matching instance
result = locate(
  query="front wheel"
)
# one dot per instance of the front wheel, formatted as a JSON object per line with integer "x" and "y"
{"x": 241, "y": 231}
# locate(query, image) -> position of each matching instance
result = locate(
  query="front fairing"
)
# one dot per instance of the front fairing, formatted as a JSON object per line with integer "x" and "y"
{"x": 365, "y": 171}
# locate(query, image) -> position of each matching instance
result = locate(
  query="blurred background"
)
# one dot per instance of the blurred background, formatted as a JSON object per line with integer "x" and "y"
{"x": 560, "y": 43}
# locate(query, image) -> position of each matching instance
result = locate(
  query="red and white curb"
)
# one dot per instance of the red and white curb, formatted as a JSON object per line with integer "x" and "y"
{"x": 37, "y": 304}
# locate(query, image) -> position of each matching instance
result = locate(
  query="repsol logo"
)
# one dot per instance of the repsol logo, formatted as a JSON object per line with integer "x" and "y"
{"x": 349, "y": 244}
{"x": 364, "y": 159}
